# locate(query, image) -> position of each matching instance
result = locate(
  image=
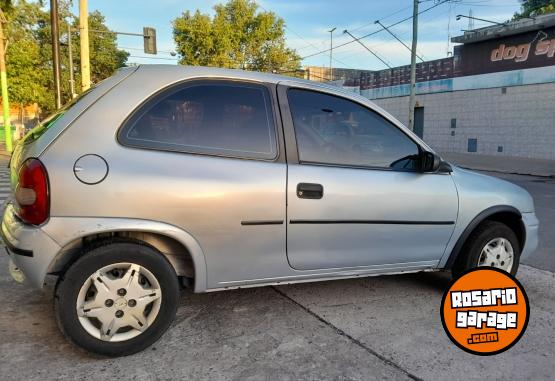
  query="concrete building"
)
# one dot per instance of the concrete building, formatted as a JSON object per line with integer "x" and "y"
{"x": 495, "y": 96}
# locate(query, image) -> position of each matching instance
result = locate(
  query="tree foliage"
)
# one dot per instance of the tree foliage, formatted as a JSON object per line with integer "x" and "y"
{"x": 237, "y": 36}
{"x": 29, "y": 53}
{"x": 104, "y": 55}
{"x": 531, "y": 8}
{"x": 28, "y": 79}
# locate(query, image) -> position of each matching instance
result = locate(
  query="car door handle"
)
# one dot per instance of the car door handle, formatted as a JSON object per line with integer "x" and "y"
{"x": 311, "y": 191}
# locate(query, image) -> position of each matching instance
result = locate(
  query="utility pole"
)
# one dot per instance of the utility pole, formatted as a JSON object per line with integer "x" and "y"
{"x": 55, "y": 51}
{"x": 4, "y": 80}
{"x": 412, "y": 100}
{"x": 331, "y": 52}
{"x": 84, "y": 37}
{"x": 70, "y": 54}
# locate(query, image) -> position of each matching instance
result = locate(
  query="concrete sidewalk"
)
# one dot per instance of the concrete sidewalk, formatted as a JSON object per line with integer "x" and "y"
{"x": 504, "y": 164}
{"x": 379, "y": 328}
{"x": 3, "y": 151}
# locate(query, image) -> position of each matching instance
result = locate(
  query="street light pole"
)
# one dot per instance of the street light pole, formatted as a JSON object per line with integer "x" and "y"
{"x": 4, "y": 80}
{"x": 70, "y": 54}
{"x": 397, "y": 38}
{"x": 84, "y": 38}
{"x": 412, "y": 99}
{"x": 479, "y": 19}
{"x": 55, "y": 51}
{"x": 331, "y": 52}
{"x": 367, "y": 48}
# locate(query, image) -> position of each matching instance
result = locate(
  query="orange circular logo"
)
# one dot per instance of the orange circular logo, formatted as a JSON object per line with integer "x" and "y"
{"x": 485, "y": 311}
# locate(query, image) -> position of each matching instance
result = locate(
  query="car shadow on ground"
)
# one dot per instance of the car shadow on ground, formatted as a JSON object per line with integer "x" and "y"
{"x": 28, "y": 308}
{"x": 322, "y": 330}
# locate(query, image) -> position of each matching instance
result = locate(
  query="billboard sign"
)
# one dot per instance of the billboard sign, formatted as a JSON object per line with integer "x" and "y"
{"x": 521, "y": 51}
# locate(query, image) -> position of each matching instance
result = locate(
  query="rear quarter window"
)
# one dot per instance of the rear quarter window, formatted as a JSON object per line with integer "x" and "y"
{"x": 219, "y": 118}
{"x": 42, "y": 126}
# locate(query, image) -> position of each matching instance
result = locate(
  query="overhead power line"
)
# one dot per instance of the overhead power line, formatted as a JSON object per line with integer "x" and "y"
{"x": 397, "y": 38}
{"x": 383, "y": 18}
{"x": 170, "y": 52}
{"x": 309, "y": 44}
{"x": 377, "y": 31}
{"x": 156, "y": 58}
{"x": 367, "y": 48}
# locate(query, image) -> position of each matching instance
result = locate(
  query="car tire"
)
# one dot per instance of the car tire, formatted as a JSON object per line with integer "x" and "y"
{"x": 151, "y": 280}
{"x": 473, "y": 254}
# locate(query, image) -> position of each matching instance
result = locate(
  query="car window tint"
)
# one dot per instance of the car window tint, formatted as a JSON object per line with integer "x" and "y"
{"x": 221, "y": 119}
{"x": 334, "y": 130}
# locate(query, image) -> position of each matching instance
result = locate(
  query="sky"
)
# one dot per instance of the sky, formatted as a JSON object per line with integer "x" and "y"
{"x": 308, "y": 22}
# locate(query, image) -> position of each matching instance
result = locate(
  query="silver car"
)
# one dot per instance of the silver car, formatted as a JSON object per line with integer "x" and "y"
{"x": 217, "y": 179}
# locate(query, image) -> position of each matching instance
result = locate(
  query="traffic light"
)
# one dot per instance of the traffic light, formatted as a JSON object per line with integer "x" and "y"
{"x": 149, "y": 37}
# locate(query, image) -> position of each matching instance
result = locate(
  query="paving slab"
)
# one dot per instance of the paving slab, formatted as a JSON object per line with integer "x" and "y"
{"x": 384, "y": 327}
{"x": 398, "y": 316}
{"x": 253, "y": 334}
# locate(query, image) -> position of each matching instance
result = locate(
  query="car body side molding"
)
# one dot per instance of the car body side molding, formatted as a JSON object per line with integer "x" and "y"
{"x": 372, "y": 222}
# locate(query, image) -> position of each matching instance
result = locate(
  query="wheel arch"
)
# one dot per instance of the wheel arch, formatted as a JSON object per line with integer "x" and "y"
{"x": 178, "y": 246}
{"x": 506, "y": 214}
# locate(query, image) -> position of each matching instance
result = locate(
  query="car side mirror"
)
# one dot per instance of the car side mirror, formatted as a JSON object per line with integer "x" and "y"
{"x": 432, "y": 163}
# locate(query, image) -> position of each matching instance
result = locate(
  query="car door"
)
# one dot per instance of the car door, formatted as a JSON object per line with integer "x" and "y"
{"x": 355, "y": 194}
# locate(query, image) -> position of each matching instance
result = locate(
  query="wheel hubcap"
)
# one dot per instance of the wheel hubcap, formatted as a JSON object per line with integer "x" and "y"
{"x": 119, "y": 302}
{"x": 497, "y": 253}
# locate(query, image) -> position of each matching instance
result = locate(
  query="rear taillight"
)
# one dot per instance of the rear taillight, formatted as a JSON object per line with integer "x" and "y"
{"x": 31, "y": 193}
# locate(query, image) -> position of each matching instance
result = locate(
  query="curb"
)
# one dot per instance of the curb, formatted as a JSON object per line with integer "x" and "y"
{"x": 543, "y": 175}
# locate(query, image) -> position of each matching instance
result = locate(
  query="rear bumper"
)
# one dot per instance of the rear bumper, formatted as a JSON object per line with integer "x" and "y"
{"x": 30, "y": 248}
{"x": 531, "y": 225}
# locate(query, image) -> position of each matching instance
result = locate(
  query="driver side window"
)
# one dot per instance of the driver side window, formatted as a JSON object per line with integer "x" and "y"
{"x": 334, "y": 130}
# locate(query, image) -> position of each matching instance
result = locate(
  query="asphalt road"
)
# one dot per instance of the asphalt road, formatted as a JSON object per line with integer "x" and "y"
{"x": 542, "y": 190}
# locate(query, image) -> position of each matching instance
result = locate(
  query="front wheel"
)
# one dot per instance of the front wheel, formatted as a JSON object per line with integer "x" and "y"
{"x": 492, "y": 244}
{"x": 117, "y": 299}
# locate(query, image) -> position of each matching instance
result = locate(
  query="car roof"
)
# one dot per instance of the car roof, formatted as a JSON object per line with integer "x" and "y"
{"x": 205, "y": 71}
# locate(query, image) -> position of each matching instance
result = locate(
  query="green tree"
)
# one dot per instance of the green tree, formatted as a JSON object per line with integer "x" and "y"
{"x": 531, "y": 8}
{"x": 104, "y": 55}
{"x": 6, "y": 5}
{"x": 237, "y": 36}
{"x": 28, "y": 77}
{"x": 29, "y": 54}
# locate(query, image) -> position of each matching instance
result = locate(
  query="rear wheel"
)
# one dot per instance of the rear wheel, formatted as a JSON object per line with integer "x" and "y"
{"x": 492, "y": 244}
{"x": 117, "y": 299}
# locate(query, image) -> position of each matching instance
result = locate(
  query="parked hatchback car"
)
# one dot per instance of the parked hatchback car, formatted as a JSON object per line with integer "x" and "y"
{"x": 221, "y": 179}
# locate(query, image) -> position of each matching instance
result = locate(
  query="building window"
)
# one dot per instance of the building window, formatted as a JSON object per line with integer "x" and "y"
{"x": 499, "y": 148}
{"x": 454, "y": 123}
{"x": 503, "y": 90}
{"x": 472, "y": 145}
